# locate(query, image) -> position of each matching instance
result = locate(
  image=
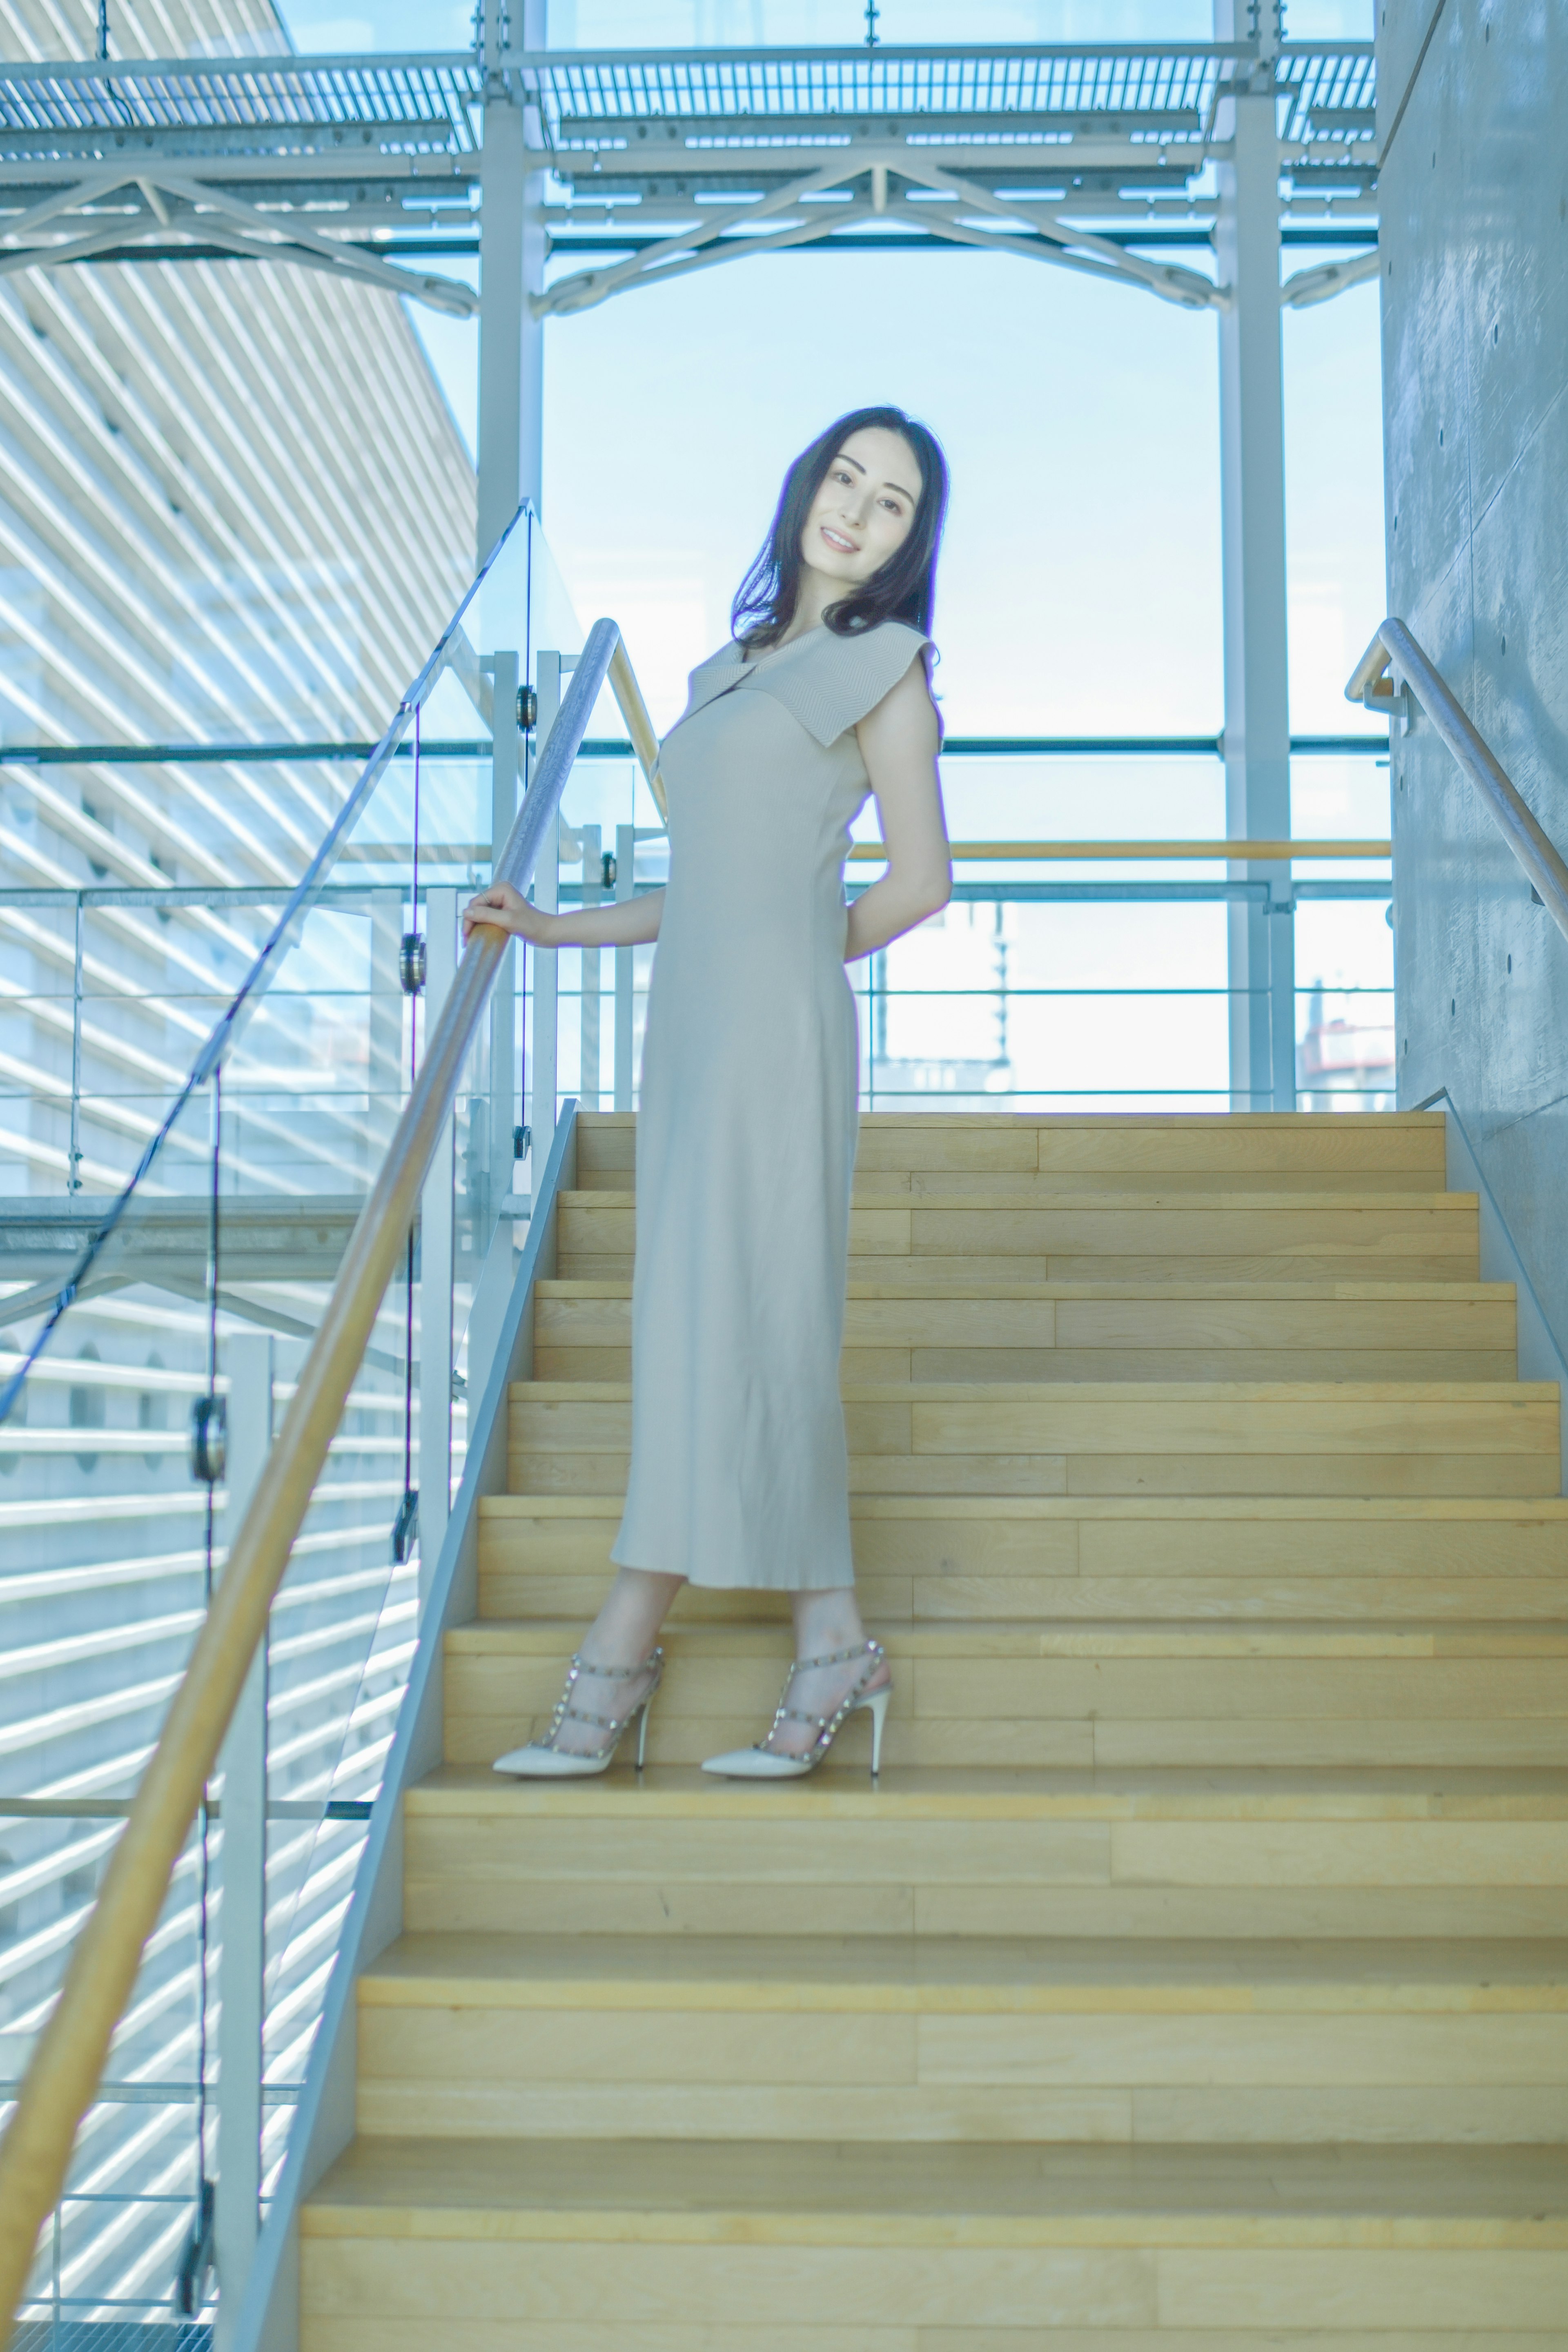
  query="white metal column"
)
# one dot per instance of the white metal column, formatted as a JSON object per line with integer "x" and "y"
{"x": 506, "y": 763}
{"x": 248, "y": 1358}
{"x": 1252, "y": 494}
{"x": 549, "y": 668}
{"x": 492, "y": 1282}
{"x": 437, "y": 1205}
{"x": 386, "y": 1001}
{"x": 511, "y": 267}
{"x": 625, "y": 968}
{"x": 592, "y": 891}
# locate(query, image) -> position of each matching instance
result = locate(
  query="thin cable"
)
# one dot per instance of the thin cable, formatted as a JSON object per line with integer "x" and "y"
{"x": 412, "y": 1074}
{"x": 198, "y": 2254}
{"x": 405, "y": 1519}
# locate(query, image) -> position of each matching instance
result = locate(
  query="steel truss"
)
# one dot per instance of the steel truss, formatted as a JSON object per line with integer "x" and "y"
{"x": 307, "y": 160}
{"x": 1057, "y": 154}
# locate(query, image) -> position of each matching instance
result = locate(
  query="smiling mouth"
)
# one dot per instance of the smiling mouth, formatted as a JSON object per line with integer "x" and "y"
{"x": 835, "y": 539}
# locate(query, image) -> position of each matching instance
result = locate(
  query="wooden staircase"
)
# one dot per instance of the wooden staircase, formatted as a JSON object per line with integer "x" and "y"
{"x": 1194, "y": 1980}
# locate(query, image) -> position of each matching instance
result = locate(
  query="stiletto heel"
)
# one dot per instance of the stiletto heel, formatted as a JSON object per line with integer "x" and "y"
{"x": 876, "y": 1701}
{"x": 764, "y": 1763}
{"x": 541, "y": 1760}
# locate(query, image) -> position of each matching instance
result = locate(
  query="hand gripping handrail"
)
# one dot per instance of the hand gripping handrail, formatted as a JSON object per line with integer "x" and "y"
{"x": 69, "y": 2060}
{"x": 1371, "y": 685}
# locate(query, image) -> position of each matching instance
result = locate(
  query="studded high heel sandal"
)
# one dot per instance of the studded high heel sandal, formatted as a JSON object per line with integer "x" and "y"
{"x": 764, "y": 1763}
{"x": 542, "y": 1760}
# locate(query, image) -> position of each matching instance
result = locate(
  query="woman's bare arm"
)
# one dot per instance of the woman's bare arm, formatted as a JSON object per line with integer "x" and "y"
{"x": 625, "y": 923}
{"x": 899, "y": 744}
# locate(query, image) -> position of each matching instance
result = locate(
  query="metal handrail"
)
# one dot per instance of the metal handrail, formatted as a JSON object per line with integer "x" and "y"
{"x": 1373, "y": 683}
{"x": 1040, "y": 852}
{"x": 69, "y": 2060}
{"x": 639, "y": 726}
{"x": 1068, "y": 853}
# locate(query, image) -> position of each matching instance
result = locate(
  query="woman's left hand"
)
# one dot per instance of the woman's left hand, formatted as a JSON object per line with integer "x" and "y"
{"x": 509, "y": 911}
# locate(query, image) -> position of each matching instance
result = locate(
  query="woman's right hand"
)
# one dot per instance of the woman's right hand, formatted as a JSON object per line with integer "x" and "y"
{"x": 509, "y": 911}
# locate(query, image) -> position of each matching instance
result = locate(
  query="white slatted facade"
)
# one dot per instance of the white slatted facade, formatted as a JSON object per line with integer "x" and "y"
{"x": 232, "y": 506}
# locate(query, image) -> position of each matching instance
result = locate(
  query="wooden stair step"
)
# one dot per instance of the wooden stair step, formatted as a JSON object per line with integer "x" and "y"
{"x": 990, "y": 2039}
{"x": 1114, "y": 1438}
{"x": 1262, "y": 1852}
{"x": 1221, "y": 1145}
{"x": 1076, "y": 1693}
{"x": 974, "y": 1977}
{"x": 922, "y": 1558}
{"x": 1232, "y": 1236}
{"x": 1025, "y": 1185}
{"x": 582, "y": 1330}
{"x": 594, "y": 2244}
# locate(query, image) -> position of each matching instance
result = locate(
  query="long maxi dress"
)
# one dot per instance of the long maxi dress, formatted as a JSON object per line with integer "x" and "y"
{"x": 746, "y": 1132}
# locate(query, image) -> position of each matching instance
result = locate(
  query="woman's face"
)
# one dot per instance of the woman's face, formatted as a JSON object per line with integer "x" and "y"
{"x": 865, "y": 508}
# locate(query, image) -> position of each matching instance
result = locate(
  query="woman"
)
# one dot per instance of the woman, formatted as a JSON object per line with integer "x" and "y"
{"x": 747, "y": 1127}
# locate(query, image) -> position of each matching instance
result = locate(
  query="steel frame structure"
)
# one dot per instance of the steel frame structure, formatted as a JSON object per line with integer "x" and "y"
{"x": 1055, "y": 153}
{"x": 630, "y": 169}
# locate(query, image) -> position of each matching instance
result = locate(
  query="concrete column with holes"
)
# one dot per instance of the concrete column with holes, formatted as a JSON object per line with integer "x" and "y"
{"x": 512, "y": 267}
{"x": 625, "y": 968}
{"x": 1262, "y": 962}
{"x": 435, "y": 1247}
{"x": 247, "y": 1362}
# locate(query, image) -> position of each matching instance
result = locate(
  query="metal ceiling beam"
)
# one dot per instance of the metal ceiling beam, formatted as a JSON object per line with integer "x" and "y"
{"x": 288, "y": 157}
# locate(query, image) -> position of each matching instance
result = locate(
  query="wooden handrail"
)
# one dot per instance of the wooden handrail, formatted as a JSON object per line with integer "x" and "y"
{"x": 69, "y": 2060}
{"x": 1067, "y": 853}
{"x": 639, "y": 726}
{"x": 1394, "y": 648}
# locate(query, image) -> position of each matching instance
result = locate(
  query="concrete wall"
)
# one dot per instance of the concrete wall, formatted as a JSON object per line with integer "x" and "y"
{"x": 1474, "y": 200}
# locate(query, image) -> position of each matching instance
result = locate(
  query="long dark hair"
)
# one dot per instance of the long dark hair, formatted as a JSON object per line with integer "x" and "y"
{"x": 904, "y": 589}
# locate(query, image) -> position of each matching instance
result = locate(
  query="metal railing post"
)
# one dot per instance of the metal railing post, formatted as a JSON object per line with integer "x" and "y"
{"x": 592, "y": 891}
{"x": 383, "y": 1012}
{"x": 548, "y": 669}
{"x": 73, "y": 1165}
{"x": 507, "y": 745}
{"x": 1281, "y": 912}
{"x": 626, "y": 969}
{"x": 435, "y": 1247}
{"x": 242, "y": 1961}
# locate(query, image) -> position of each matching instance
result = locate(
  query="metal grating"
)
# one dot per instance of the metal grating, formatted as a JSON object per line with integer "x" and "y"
{"x": 1328, "y": 92}
{"x": 1149, "y": 81}
{"x": 433, "y": 102}
{"x": 1150, "y": 88}
{"x": 288, "y": 103}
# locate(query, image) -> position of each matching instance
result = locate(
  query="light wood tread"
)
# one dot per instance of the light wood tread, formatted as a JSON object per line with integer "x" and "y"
{"x": 1533, "y": 1510}
{"x": 980, "y": 1975}
{"x": 946, "y": 1794}
{"x": 1221, "y": 1200}
{"x": 738, "y": 2191}
{"x": 1077, "y": 1637}
{"x": 1014, "y": 1393}
{"x": 1111, "y": 1122}
{"x": 1330, "y": 1291}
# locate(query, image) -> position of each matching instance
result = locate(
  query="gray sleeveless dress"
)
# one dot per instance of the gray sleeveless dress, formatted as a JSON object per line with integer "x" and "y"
{"x": 746, "y": 1129}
